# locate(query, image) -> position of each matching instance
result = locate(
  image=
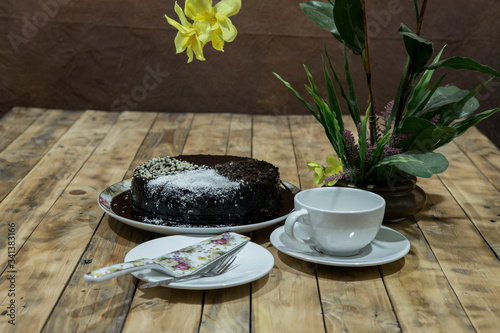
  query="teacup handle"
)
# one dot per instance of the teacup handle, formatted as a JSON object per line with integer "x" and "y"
{"x": 290, "y": 224}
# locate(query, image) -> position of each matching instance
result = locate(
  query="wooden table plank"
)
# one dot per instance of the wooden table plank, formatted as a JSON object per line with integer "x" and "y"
{"x": 475, "y": 194}
{"x": 450, "y": 280}
{"x": 93, "y": 304}
{"x": 72, "y": 220}
{"x": 310, "y": 144}
{"x": 30, "y": 200}
{"x": 280, "y": 298}
{"x": 30, "y": 146}
{"x": 483, "y": 154}
{"x": 240, "y": 135}
{"x": 418, "y": 289}
{"x": 272, "y": 142}
{"x": 16, "y": 122}
{"x": 166, "y": 137}
{"x": 472, "y": 269}
{"x": 208, "y": 134}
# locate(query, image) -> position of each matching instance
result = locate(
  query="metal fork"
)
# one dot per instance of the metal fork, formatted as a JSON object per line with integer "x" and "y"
{"x": 218, "y": 269}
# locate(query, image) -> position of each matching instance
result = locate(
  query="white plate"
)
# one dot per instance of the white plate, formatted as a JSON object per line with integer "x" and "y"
{"x": 105, "y": 202}
{"x": 252, "y": 263}
{"x": 389, "y": 245}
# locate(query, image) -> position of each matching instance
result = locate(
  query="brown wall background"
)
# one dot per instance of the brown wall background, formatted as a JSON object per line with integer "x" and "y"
{"x": 119, "y": 54}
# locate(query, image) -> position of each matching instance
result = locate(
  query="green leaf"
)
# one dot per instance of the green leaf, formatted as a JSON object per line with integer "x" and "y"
{"x": 425, "y": 136}
{"x": 464, "y": 63}
{"x": 362, "y": 142}
{"x": 350, "y": 107}
{"x": 418, "y": 107}
{"x": 418, "y": 164}
{"x": 443, "y": 97}
{"x": 332, "y": 98}
{"x": 348, "y": 17}
{"x": 355, "y": 114}
{"x": 397, "y": 98}
{"x": 419, "y": 50}
{"x": 322, "y": 14}
{"x": 296, "y": 93}
{"x": 465, "y": 106}
{"x": 421, "y": 87}
{"x": 464, "y": 125}
{"x": 417, "y": 13}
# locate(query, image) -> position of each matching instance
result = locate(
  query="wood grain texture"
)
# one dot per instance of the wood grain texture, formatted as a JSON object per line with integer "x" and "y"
{"x": 272, "y": 142}
{"x": 469, "y": 264}
{"x": 475, "y": 194}
{"x": 107, "y": 241}
{"x": 33, "y": 196}
{"x": 279, "y": 300}
{"x": 72, "y": 220}
{"x": 208, "y": 134}
{"x": 448, "y": 282}
{"x": 310, "y": 144}
{"x": 419, "y": 290}
{"x": 166, "y": 137}
{"x": 240, "y": 135}
{"x": 482, "y": 153}
{"x": 16, "y": 122}
{"x": 17, "y": 159}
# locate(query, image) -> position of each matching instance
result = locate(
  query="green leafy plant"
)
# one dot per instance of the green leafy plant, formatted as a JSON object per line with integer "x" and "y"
{"x": 401, "y": 140}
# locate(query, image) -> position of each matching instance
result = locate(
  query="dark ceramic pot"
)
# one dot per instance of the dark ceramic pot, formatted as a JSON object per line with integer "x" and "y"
{"x": 401, "y": 200}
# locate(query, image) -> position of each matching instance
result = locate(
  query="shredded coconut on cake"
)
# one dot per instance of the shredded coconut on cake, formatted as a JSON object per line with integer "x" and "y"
{"x": 200, "y": 181}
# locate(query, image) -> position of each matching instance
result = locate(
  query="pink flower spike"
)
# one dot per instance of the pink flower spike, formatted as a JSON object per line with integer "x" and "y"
{"x": 435, "y": 119}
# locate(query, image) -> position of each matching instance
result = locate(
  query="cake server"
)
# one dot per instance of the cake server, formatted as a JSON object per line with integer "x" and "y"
{"x": 182, "y": 262}
{"x": 223, "y": 265}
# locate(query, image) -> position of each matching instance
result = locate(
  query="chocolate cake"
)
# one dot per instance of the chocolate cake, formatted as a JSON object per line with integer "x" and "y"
{"x": 187, "y": 189}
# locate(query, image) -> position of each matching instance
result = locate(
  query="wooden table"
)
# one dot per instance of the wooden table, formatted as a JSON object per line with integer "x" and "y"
{"x": 54, "y": 163}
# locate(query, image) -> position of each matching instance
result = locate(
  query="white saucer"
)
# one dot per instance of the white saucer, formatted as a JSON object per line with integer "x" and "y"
{"x": 252, "y": 263}
{"x": 389, "y": 245}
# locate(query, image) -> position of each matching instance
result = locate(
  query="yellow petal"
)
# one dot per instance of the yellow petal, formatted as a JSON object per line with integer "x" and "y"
{"x": 203, "y": 31}
{"x": 331, "y": 183}
{"x": 334, "y": 162}
{"x": 318, "y": 179}
{"x": 180, "y": 13}
{"x": 179, "y": 42}
{"x": 330, "y": 171}
{"x": 229, "y": 31}
{"x": 228, "y": 7}
{"x": 194, "y": 8}
{"x": 313, "y": 165}
{"x": 198, "y": 50}
{"x": 217, "y": 41}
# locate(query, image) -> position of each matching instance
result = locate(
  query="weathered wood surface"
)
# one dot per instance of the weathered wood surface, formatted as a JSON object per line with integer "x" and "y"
{"x": 54, "y": 163}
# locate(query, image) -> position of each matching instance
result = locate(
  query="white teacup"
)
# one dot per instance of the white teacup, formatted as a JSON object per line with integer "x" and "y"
{"x": 337, "y": 221}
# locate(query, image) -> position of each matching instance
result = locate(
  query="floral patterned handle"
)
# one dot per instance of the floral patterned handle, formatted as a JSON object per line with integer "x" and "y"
{"x": 109, "y": 272}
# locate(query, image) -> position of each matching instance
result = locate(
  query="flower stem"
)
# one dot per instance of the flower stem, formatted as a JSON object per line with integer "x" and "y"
{"x": 403, "y": 97}
{"x": 371, "y": 114}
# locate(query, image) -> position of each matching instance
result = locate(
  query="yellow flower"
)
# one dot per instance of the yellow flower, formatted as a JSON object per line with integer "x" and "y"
{"x": 192, "y": 37}
{"x": 222, "y": 28}
{"x": 320, "y": 172}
